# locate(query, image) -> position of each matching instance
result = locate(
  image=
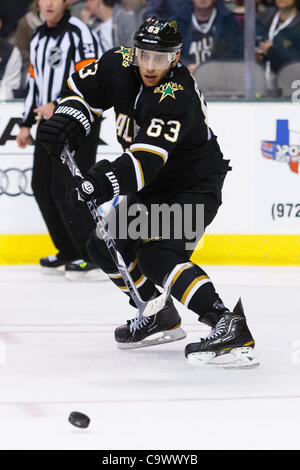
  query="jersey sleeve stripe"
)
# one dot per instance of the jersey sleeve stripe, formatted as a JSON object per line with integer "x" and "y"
{"x": 81, "y": 100}
{"x": 83, "y": 63}
{"x": 150, "y": 151}
{"x": 150, "y": 148}
{"x": 140, "y": 180}
{"x": 73, "y": 87}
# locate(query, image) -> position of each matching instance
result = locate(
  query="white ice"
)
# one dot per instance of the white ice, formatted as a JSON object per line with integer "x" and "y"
{"x": 58, "y": 339}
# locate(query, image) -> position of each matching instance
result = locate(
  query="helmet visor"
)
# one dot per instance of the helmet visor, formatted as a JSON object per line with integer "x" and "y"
{"x": 153, "y": 60}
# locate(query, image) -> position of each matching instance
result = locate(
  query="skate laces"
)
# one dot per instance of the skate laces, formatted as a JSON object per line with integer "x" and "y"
{"x": 217, "y": 331}
{"x": 137, "y": 323}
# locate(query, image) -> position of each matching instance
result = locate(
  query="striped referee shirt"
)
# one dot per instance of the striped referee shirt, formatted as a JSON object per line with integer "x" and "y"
{"x": 56, "y": 53}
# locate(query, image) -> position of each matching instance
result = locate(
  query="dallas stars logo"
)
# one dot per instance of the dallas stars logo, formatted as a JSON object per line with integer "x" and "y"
{"x": 168, "y": 89}
{"x": 174, "y": 25}
{"x": 127, "y": 54}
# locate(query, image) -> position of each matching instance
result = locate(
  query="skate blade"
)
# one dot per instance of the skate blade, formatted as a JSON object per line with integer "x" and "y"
{"x": 237, "y": 358}
{"x": 158, "y": 338}
{"x": 53, "y": 271}
{"x": 95, "y": 275}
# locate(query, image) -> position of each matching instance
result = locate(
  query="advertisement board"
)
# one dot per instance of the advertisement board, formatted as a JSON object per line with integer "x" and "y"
{"x": 261, "y": 195}
{"x": 18, "y": 209}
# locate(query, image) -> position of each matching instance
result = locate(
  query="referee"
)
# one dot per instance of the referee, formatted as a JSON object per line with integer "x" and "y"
{"x": 59, "y": 47}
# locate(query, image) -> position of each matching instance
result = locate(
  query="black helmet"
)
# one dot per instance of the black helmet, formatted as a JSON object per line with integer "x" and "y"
{"x": 160, "y": 35}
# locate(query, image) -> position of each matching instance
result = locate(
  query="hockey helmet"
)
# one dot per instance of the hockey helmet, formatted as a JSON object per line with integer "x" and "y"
{"x": 159, "y": 35}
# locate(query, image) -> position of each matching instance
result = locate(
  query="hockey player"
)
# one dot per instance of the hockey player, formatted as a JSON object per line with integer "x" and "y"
{"x": 170, "y": 156}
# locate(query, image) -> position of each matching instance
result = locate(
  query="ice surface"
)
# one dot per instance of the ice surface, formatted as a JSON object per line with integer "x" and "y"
{"x": 61, "y": 356}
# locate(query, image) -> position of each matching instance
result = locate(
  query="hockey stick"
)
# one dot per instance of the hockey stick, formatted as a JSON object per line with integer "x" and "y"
{"x": 144, "y": 308}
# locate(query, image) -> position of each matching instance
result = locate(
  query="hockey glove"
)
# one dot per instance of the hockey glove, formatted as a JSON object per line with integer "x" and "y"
{"x": 66, "y": 124}
{"x": 99, "y": 184}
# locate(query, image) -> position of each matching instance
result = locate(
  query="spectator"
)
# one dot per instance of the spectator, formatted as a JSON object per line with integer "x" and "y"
{"x": 26, "y": 27}
{"x": 138, "y": 7}
{"x": 211, "y": 32}
{"x": 239, "y": 11}
{"x": 267, "y": 3}
{"x": 167, "y": 9}
{"x": 10, "y": 66}
{"x": 114, "y": 25}
{"x": 53, "y": 58}
{"x": 228, "y": 3}
{"x": 76, "y": 7}
{"x": 278, "y": 37}
{"x": 25, "y": 30}
{"x": 133, "y": 4}
{"x": 12, "y": 10}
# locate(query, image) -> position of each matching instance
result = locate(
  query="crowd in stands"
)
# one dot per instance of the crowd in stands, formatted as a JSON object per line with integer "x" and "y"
{"x": 212, "y": 30}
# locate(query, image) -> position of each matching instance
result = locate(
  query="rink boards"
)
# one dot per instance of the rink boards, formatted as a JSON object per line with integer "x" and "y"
{"x": 258, "y": 222}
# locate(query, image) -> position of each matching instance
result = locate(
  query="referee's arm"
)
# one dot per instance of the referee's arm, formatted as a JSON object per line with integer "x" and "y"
{"x": 30, "y": 100}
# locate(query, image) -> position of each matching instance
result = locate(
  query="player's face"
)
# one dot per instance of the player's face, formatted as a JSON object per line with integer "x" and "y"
{"x": 153, "y": 66}
{"x": 52, "y": 10}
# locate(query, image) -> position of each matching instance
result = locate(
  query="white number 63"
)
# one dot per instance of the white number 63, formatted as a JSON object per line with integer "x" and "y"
{"x": 155, "y": 129}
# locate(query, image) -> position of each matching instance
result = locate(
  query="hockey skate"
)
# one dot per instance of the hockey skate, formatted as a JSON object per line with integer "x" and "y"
{"x": 229, "y": 345}
{"x": 84, "y": 271}
{"x": 163, "y": 327}
{"x": 54, "y": 264}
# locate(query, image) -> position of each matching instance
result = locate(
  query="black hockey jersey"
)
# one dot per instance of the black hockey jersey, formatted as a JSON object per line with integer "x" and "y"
{"x": 168, "y": 145}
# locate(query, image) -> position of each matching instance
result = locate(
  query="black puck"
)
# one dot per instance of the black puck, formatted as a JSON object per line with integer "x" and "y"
{"x": 79, "y": 419}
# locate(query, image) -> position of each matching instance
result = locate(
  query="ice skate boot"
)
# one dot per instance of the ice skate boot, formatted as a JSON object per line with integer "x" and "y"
{"x": 54, "y": 264}
{"x": 229, "y": 344}
{"x": 163, "y": 327}
{"x": 81, "y": 270}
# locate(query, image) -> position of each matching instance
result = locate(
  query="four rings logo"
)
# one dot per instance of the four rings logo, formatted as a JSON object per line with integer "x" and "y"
{"x": 15, "y": 182}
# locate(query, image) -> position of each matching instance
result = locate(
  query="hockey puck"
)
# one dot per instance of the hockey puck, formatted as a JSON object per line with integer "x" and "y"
{"x": 79, "y": 420}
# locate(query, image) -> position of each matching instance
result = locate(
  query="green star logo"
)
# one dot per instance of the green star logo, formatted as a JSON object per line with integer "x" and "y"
{"x": 127, "y": 54}
{"x": 168, "y": 89}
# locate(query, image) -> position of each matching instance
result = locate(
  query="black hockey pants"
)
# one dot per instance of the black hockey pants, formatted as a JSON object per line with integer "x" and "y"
{"x": 161, "y": 261}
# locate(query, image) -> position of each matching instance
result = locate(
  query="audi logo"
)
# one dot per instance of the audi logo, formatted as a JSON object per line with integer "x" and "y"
{"x": 15, "y": 182}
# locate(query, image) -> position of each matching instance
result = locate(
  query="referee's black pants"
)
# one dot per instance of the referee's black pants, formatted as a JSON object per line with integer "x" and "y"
{"x": 68, "y": 227}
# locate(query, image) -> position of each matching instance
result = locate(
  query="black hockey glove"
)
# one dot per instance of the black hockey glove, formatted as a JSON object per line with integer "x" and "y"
{"x": 100, "y": 184}
{"x": 66, "y": 124}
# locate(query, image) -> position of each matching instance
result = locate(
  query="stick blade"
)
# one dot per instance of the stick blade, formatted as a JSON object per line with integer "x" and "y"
{"x": 155, "y": 305}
